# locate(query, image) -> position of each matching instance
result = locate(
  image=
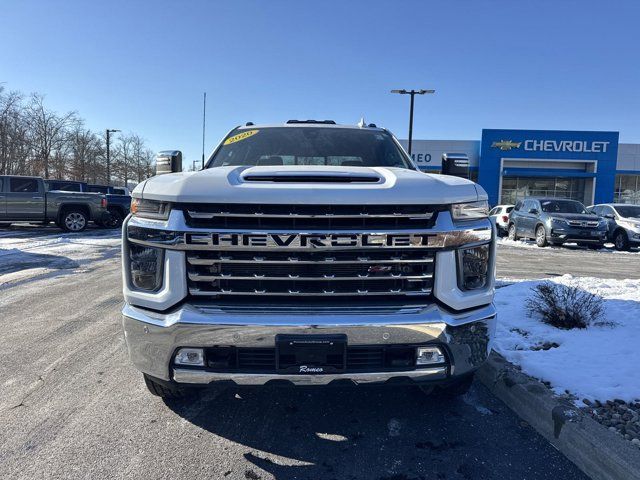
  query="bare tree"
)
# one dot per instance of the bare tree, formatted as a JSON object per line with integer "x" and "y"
{"x": 14, "y": 146}
{"x": 86, "y": 151}
{"x": 139, "y": 156}
{"x": 124, "y": 156}
{"x": 37, "y": 141}
{"x": 47, "y": 131}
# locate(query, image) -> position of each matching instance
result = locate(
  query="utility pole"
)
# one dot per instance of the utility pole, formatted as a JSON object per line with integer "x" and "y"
{"x": 109, "y": 131}
{"x": 412, "y": 93}
{"x": 204, "y": 121}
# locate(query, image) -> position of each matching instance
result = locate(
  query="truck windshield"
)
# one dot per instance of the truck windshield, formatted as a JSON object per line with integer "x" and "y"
{"x": 562, "y": 206}
{"x": 347, "y": 147}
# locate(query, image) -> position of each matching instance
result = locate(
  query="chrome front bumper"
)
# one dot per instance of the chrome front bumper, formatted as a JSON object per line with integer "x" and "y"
{"x": 201, "y": 377}
{"x": 152, "y": 338}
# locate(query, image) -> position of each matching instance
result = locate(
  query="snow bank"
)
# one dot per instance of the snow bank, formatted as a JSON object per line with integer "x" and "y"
{"x": 601, "y": 362}
{"x": 27, "y": 254}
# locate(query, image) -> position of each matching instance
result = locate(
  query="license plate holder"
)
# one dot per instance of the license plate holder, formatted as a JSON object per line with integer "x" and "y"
{"x": 311, "y": 354}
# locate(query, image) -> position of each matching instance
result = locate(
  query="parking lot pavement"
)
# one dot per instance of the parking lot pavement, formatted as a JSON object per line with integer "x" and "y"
{"x": 73, "y": 407}
{"x": 526, "y": 260}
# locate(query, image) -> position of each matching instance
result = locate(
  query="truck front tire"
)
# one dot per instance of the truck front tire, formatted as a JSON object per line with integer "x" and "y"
{"x": 73, "y": 220}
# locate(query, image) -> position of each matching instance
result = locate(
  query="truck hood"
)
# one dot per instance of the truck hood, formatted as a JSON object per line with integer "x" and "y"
{"x": 309, "y": 185}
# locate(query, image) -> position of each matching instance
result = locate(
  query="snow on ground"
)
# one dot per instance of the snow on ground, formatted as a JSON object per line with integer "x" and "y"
{"x": 27, "y": 253}
{"x": 598, "y": 363}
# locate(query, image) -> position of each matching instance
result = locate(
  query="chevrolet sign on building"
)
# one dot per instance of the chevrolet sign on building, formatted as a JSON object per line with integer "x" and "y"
{"x": 518, "y": 163}
{"x": 591, "y": 167}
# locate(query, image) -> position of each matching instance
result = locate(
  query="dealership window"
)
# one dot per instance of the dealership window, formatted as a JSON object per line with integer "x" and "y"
{"x": 516, "y": 188}
{"x": 627, "y": 189}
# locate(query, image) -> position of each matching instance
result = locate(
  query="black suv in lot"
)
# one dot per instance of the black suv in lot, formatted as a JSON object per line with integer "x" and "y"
{"x": 554, "y": 221}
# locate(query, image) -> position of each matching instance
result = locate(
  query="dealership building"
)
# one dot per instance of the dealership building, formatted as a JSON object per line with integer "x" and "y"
{"x": 591, "y": 167}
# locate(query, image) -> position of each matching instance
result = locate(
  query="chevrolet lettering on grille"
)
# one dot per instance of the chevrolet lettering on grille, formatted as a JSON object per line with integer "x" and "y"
{"x": 307, "y": 240}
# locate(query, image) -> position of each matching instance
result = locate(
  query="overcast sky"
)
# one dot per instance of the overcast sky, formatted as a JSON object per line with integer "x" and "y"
{"x": 142, "y": 66}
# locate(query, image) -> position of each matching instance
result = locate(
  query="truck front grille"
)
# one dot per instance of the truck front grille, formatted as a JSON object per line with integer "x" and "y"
{"x": 359, "y": 358}
{"x": 310, "y": 217}
{"x": 583, "y": 223}
{"x": 345, "y": 273}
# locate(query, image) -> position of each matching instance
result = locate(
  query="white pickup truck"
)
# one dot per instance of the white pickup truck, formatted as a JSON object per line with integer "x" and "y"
{"x": 308, "y": 253}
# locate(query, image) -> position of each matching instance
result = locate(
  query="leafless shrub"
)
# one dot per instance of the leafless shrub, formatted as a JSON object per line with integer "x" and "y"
{"x": 564, "y": 306}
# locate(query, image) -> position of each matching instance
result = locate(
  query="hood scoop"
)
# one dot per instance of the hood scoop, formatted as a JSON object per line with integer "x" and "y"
{"x": 314, "y": 176}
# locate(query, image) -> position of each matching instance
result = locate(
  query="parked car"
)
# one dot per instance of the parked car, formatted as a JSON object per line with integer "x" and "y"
{"x": 25, "y": 199}
{"x": 501, "y": 215}
{"x": 623, "y": 223}
{"x": 251, "y": 279}
{"x": 554, "y": 221}
{"x": 118, "y": 198}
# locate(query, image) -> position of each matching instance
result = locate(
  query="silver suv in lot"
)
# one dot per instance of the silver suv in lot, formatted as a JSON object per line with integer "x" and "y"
{"x": 308, "y": 253}
{"x": 555, "y": 221}
{"x": 623, "y": 223}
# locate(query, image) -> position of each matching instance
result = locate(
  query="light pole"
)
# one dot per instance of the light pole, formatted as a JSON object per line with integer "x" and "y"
{"x": 109, "y": 131}
{"x": 413, "y": 93}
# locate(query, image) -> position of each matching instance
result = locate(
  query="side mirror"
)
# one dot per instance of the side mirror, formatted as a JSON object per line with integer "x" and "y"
{"x": 168, "y": 161}
{"x": 456, "y": 164}
{"x": 533, "y": 211}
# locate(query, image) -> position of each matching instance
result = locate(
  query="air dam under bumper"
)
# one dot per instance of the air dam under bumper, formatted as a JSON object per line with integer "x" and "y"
{"x": 153, "y": 338}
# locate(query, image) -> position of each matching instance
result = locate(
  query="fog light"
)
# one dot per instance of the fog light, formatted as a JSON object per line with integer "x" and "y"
{"x": 190, "y": 356}
{"x": 429, "y": 355}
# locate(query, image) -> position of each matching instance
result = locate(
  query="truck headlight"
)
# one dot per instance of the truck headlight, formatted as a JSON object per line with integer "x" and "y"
{"x": 473, "y": 267}
{"x": 150, "y": 208}
{"x": 145, "y": 267}
{"x": 470, "y": 211}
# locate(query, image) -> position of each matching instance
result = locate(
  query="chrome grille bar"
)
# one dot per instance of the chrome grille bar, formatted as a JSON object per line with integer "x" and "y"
{"x": 581, "y": 223}
{"x": 209, "y": 278}
{"x": 297, "y": 218}
{"x": 291, "y": 293}
{"x": 210, "y": 215}
{"x": 209, "y": 262}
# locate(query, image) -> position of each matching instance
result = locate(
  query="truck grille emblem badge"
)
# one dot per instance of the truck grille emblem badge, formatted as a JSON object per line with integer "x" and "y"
{"x": 305, "y": 369}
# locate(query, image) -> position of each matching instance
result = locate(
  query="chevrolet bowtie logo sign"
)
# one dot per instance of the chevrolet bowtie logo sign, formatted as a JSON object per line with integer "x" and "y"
{"x": 505, "y": 145}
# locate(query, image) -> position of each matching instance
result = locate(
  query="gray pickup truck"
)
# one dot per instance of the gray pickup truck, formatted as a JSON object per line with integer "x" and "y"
{"x": 25, "y": 199}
